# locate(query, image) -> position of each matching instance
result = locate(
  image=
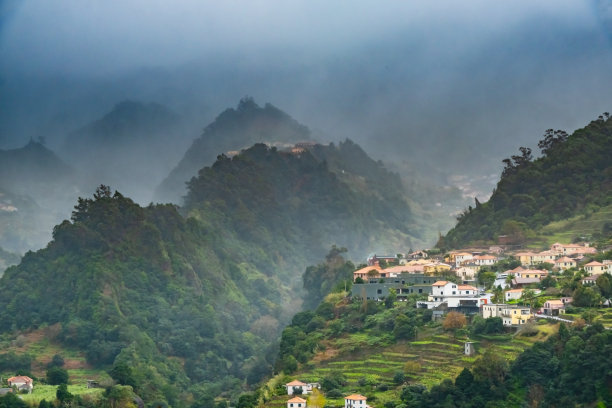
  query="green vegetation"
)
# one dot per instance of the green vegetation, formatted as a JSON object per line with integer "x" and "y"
{"x": 569, "y": 182}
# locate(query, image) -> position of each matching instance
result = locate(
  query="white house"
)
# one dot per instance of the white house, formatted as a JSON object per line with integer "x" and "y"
{"x": 295, "y": 384}
{"x": 355, "y": 401}
{"x": 296, "y": 402}
{"x": 513, "y": 294}
{"x": 454, "y": 295}
{"x": 21, "y": 382}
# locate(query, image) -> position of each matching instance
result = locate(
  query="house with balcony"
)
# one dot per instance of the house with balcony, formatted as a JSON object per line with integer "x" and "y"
{"x": 464, "y": 298}
{"x": 511, "y": 315}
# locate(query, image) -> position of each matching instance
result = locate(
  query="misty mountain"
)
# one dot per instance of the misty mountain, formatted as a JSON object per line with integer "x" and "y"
{"x": 23, "y": 224}
{"x": 35, "y": 185}
{"x": 572, "y": 177}
{"x": 7, "y": 259}
{"x": 33, "y": 167}
{"x": 232, "y": 130}
{"x": 132, "y": 147}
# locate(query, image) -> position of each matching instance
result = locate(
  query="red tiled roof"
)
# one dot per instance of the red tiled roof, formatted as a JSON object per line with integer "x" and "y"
{"x": 297, "y": 399}
{"x": 20, "y": 378}
{"x": 355, "y": 397}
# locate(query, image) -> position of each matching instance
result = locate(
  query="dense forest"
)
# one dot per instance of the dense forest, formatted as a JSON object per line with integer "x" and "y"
{"x": 132, "y": 286}
{"x": 288, "y": 201}
{"x": 572, "y": 176}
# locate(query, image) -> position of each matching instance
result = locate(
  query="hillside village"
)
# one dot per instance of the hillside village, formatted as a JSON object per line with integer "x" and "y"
{"x": 474, "y": 281}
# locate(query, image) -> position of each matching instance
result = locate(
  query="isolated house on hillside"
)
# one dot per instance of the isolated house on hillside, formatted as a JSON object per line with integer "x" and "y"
{"x": 296, "y": 402}
{"x": 21, "y": 382}
{"x": 355, "y": 401}
{"x": 295, "y": 386}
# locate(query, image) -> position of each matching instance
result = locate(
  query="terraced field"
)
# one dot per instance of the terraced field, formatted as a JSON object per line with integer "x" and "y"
{"x": 580, "y": 225}
{"x": 39, "y": 344}
{"x": 433, "y": 357}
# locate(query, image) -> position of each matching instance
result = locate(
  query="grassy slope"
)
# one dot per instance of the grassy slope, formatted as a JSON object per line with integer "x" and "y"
{"x": 41, "y": 346}
{"x": 580, "y": 225}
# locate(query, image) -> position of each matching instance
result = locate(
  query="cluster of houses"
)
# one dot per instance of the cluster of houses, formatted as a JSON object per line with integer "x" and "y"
{"x": 296, "y": 387}
{"x": 416, "y": 273}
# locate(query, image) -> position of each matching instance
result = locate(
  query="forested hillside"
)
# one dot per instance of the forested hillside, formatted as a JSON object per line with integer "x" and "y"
{"x": 233, "y": 129}
{"x": 573, "y": 176}
{"x": 146, "y": 289}
{"x": 295, "y": 204}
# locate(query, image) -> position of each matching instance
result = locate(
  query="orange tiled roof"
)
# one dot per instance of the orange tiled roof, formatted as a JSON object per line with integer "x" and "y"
{"x": 355, "y": 397}
{"x": 296, "y": 383}
{"x": 440, "y": 283}
{"x": 297, "y": 399}
{"x": 366, "y": 269}
{"x": 594, "y": 263}
{"x": 398, "y": 268}
{"x": 20, "y": 378}
{"x": 466, "y": 287}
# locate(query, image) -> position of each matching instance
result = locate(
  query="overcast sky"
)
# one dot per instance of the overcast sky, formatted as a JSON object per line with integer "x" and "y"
{"x": 452, "y": 74}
